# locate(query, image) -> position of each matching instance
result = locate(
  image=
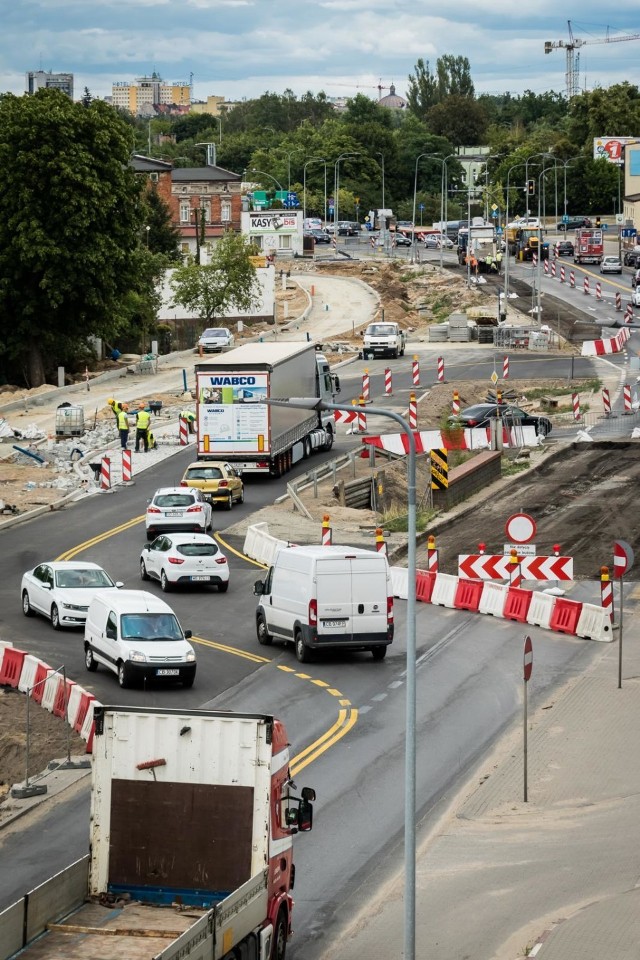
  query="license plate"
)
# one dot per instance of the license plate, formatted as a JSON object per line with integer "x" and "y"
{"x": 334, "y": 623}
{"x": 174, "y": 513}
{"x": 165, "y": 672}
{"x": 203, "y": 578}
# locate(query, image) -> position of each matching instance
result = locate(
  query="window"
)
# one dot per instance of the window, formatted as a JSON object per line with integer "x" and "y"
{"x": 284, "y": 241}
{"x": 225, "y": 211}
{"x": 185, "y": 211}
{"x": 256, "y": 241}
{"x": 205, "y": 210}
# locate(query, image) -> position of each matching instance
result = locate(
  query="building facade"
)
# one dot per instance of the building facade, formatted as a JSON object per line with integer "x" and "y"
{"x": 147, "y": 96}
{"x": 45, "y": 80}
{"x": 274, "y": 232}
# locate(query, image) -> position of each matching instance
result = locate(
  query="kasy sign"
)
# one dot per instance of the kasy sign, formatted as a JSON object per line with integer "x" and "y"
{"x": 270, "y": 222}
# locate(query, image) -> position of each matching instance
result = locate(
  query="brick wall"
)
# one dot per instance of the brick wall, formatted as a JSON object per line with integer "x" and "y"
{"x": 469, "y": 478}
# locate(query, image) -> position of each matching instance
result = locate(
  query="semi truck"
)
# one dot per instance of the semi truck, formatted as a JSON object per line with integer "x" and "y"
{"x": 192, "y": 823}
{"x": 478, "y": 241}
{"x": 588, "y": 246}
{"x": 235, "y": 424}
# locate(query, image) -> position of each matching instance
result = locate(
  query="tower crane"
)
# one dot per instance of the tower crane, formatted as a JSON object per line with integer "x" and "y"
{"x": 363, "y": 86}
{"x": 572, "y": 46}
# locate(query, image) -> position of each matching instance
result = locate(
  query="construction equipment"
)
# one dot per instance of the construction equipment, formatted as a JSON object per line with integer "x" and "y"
{"x": 574, "y": 44}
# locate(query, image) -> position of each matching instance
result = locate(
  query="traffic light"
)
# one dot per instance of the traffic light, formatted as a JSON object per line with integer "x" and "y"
{"x": 531, "y": 187}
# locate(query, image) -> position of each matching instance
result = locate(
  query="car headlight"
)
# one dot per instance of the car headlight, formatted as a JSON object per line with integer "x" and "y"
{"x": 137, "y": 656}
{"x": 75, "y": 606}
{"x": 191, "y": 657}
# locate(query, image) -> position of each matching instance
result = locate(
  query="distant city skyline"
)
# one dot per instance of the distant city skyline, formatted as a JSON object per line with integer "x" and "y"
{"x": 241, "y": 49}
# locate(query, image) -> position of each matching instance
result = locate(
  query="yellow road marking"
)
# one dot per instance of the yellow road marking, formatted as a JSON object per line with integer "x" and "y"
{"x": 238, "y": 553}
{"x": 342, "y": 726}
{"x": 74, "y": 551}
{"x": 234, "y": 650}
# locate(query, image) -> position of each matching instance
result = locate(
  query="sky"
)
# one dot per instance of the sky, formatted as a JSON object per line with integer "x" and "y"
{"x": 244, "y": 48}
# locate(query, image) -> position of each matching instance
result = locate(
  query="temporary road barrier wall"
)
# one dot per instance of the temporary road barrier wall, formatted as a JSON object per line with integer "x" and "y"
{"x": 594, "y": 623}
{"x": 541, "y": 609}
{"x": 425, "y": 580}
{"x": 517, "y": 604}
{"x": 493, "y": 599}
{"x": 444, "y": 590}
{"x": 400, "y": 582}
{"x": 11, "y": 666}
{"x": 468, "y": 594}
{"x": 565, "y": 616}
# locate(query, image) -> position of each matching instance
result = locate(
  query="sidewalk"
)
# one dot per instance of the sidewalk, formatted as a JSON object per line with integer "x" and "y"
{"x": 556, "y": 878}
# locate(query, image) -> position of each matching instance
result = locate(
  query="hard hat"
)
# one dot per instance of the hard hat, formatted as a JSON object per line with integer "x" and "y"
{"x": 111, "y": 401}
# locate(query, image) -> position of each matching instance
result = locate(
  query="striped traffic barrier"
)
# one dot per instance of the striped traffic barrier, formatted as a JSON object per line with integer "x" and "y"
{"x": 366, "y": 386}
{"x": 415, "y": 371}
{"x": 455, "y": 404}
{"x": 575, "y": 400}
{"x": 546, "y": 267}
{"x": 432, "y": 555}
{"x": 388, "y": 383}
{"x": 562, "y": 274}
{"x": 326, "y": 530}
{"x": 628, "y": 313}
{"x": 362, "y": 417}
{"x": 534, "y": 259}
{"x": 553, "y": 268}
{"x": 585, "y": 285}
{"x": 413, "y": 412}
{"x": 440, "y": 369}
{"x": 606, "y": 592}
{"x": 505, "y": 368}
{"x": 606, "y": 402}
{"x": 626, "y": 397}
{"x": 618, "y": 301}
{"x": 515, "y": 570}
{"x": 183, "y": 432}
{"x": 127, "y": 468}
{"x": 598, "y": 290}
{"x": 572, "y": 278}
{"x": 105, "y": 474}
{"x": 381, "y": 546}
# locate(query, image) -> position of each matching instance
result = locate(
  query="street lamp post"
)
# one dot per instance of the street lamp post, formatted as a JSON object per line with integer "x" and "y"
{"x": 147, "y": 228}
{"x": 410, "y": 716}
{"x": 506, "y": 220}
{"x": 381, "y": 155}
{"x": 263, "y": 174}
{"x": 304, "y": 182}
{"x": 413, "y": 216}
{"x": 336, "y": 185}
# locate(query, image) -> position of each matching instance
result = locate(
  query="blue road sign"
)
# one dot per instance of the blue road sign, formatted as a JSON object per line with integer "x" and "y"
{"x": 499, "y": 231}
{"x": 421, "y": 206}
{"x": 494, "y": 214}
{"x": 565, "y": 218}
{"x": 629, "y": 232}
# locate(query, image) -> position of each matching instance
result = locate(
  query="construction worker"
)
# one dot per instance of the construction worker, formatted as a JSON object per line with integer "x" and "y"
{"x": 115, "y": 406}
{"x": 152, "y": 443}
{"x": 190, "y": 419}
{"x": 143, "y": 422}
{"x": 123, "y": 425}
{"x": 499, "y": 261}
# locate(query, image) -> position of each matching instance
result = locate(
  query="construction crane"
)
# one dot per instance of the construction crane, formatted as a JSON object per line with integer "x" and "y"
{"x": 572, "y": 46}
{"x": 363, "y": 86}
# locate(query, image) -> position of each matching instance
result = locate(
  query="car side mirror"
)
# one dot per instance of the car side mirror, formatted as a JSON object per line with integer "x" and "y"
{"x": 147, "y": 546}
{"x": 188, "y": 634}
{"x": 119, "y": 583}
{"x": 336, "y": 383}
{"x": 258, "y": 588}
{"x": 47, "y": 586}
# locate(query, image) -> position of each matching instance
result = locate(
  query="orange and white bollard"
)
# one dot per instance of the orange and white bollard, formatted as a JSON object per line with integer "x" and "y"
{"x": 505, "y": 368}
{"x": 415, "y": 371}
{"x": 575, "y": 401}
{"x": 362, "y": 417}
{"x": 127, "y": 468}
{"x": 105, "y": 474}
{"x": 626, "y": 398}
{"x": 515, "y": 570}
{"x": 606, "y": 592}
{"x": 183, "y": 432}
{"x": 366, "y": 386}
{"x": 432, "y": 554}
{"x": 381, "y": 546}
{"x": 455, "y": 403}
{"x": 388, "y": 383}
{"x": 413, "y": 412}
{"x": 440, "y": 369}
{"x": 326, "y": 531}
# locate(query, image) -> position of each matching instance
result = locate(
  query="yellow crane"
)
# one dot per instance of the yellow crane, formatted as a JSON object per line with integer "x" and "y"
{"x": 572, "y": 47}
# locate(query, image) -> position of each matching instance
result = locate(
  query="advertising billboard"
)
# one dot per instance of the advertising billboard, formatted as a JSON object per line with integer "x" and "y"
{"x": 231, "y": 418}
{"x": 611, "y": 148}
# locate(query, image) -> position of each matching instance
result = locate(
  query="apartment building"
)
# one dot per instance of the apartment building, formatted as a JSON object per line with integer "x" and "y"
{"x": 46, "y": 80}
{"x": 148, "y": 95}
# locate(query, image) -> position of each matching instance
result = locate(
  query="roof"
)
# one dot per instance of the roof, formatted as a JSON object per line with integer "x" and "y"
{"x": 207, "y": 174}
{"x": 393, "y": 100}
{"x": 149, "y": 164}
{"x": 262, "y": 353}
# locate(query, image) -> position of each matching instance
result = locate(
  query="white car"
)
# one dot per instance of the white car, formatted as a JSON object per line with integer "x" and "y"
{"x": 611, "y": 265}
{"x": 635, "y": 296}
{"x": 185, "y": 558}
{"x": 215, "y": 338}
{"x": 63, "y": 589}
{"x": 178, "y": 508}
{"x": 434, "y": 241}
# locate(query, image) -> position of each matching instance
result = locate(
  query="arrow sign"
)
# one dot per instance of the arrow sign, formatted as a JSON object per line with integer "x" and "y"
{"x": 483, "y": 567}
{"x": 528, "y": 658}
{"x": 623, "y": 558}
{"x": 547, "y": 568}
{"x": 497, "y": 567}
{"x": 342, "y": 416}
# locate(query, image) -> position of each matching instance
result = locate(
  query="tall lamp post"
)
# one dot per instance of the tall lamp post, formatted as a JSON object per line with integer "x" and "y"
{"x": 443, "y": 161}
{"x": 413, "y": 216}
{"x": 304, "y": 182}
{"x": 506, "y": 221}
{"x": 410, "y": 735}
{"x": 263, "y": 174}
{"x": 336, "y": 185}
{"x": 381, "y": 155}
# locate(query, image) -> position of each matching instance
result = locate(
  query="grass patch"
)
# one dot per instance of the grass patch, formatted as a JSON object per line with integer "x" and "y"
{"x": 588, "y": 386}
{"x": 510, "y": 468}
{"x": 396, "y": 522}
{"x": 441, "y": 308}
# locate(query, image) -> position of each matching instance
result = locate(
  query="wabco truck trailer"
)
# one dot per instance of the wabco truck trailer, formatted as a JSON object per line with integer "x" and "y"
{"x": 588, "y": 246}
{"x": 192, "y": 823}
{"x": 233, "y": 423}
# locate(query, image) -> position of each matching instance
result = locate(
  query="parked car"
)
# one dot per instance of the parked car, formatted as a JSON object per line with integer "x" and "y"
{"x": 635, "y": 296}
{"x": 635, "y": 279}
{"x": 320, "y": 236}
{"x": 631, "y": 258}
{"x": 184, "y": 559}
{"x": 573, "y": 223}
{"x": 62, "y": 590}
{"x": 434, "y": 241}
{"x": 218, "y": 481}
{"x": 611, "y": 265}
{"x": 215, "y": 338}
{"x": 481, "y": 414}
{"x": 174, "y": 508}
{"x": 564, "y": 248}
{"x": 348, "y": 228}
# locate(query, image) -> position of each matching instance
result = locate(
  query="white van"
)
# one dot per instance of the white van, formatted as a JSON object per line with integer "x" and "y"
{"x": 137, "y": 636}
{"x": 322, "y": 597}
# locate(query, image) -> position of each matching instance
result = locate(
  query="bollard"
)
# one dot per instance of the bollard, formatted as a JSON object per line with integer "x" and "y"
{"x": 362, "y": 417}
{"x": 534, "y": 259}
{"x": 606, "y": 592}
{"x": 562, "y": 274}
{"x": 505, "y": 368}
{"x": 546, "y": 267}
{"x": 432, "y": 554}
{"x": 105, "y": 474}
{"x": 553, "y": 268}
{"x": 606, "y": 402}
{"x": 326, "y": 531}
{"x": 381, "y": 546}
{"x": 585, "y": 285}
{"x": 626, "y": 396}
{"x": 440, "y": 369}
{"x": 388, "y": 383}
{"x": 628, "y": 314}
{"x": 598, "y": 290}
{"x": 572, "y": 278}
{"x": 183, "y": 432}
{"x": 415, "y": 371}
{"x": 575, "y": 400}
{"x": 127, "y": 468}
{"x": 618, "y": 301}
{"x": 366, "y": 386}
{"x": 413, "y": 412}
{"x": 455, "y": 405}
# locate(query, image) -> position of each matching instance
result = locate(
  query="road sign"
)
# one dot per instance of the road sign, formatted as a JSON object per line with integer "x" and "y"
{"x": 494, "y": 206}
{"x": 520, "y": 527}
{"x": 421, "y": 206}
{"x": 565, "y": 218}
{"x": 629, "y": 232}
{"x": 605, "y": 227}
{"x": 522, "y": 549}
{"x": 619, "y": 217}
{"x": 528, "y": 659}
{"x": 483, "y": 566}
{"x": 623, "y": 558}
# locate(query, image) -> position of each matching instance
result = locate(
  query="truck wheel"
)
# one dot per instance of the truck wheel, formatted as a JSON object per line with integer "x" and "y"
{"x": 329, "y": 441}
{"x": 89, "y": 662}
{"x": 378, "y": 653}
{"x": 280, "y": 937}
{"x": 264, "y": 637}
{"x": 302, "y": 653}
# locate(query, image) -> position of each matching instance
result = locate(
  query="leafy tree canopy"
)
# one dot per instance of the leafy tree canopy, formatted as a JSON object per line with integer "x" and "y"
{"x": 227, "y": 281}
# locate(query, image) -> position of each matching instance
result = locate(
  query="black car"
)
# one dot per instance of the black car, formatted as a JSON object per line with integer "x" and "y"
{"x": 573, "y": 223}
{"x": 631, "y": 258}
{"x": 564, "y": 248}
{"x": 320, "y": 236}
{"x": 401, "y": 240}
{"x": 481, "y": 414}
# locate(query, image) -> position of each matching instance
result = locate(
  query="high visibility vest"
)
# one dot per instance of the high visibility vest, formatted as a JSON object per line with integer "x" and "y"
{"x": 188, "y": 416}
{"x": 143, "y": 419}
{"x": 123, "y": 420}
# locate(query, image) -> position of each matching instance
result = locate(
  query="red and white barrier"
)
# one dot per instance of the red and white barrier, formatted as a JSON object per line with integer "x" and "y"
{"x": 626, "y": 399}
{"x": 562, "y": 274}
{"x": 432, "y": 555}
{"x": 606, "y": 402}
{"x": 127, "y": 466}
{"x": 440, "y": 369}
{"x": 388, "y": 383}
{"x": 534, "y": 260}
{"x": 546, "y": 268}
{"x": 585, "y": 285}
{"x": 366, "y": 387}
{"x": 444, "y": 590}
{"x": 606, "y": 592}
{"x": 476, "y": 438}
{"x": 381, "y": 546}
{"x": 326, "y": 531}
{"x": 594, "y": 623}
{"x": 598, "y": 348}
{"x": 618, "y": 301}
{"x": 362, "y": 417}
{"x": 493, "y": 599}
{"x": 415, "y": 372}
{"x": 183, "y": 432}
{"x": 505, "y": 368}
{"x": 628, "y": 313}
{"x": 553, "y": 268}
{"x": 575, "y": 401}
{"x": 413, "y": 412}
{"x": 455, "y": 403}
{"x": 105, "y": 474}
{"x": 572, "y": 278}
{"x": 598, "y": 290}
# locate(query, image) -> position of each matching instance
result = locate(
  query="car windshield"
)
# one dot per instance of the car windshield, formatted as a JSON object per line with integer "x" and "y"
{"x": 221, "y": 333}
{"x": 150, "y": 626}
{"x": 173, "y": 500}
{"x": 204, "y": 473}
{"x": 83, "y": 578}
{"x": 197, "y": 549}
{"x": 381, "y": 330}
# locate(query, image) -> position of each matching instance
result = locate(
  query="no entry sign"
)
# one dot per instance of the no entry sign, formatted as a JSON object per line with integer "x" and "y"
{"x": 528, "y": 658}
{"x": 520, "y": 528}
{"x": 622, "y": 558}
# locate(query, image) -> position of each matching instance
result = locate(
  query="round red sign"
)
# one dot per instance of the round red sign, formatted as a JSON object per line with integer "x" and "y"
{"x": 520, "y": 528}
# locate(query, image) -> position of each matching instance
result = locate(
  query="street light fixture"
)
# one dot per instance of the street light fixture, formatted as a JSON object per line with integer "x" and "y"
{"x": 147, "y": 228}
{"x": 270, "y": 176}
{"x": 304, "y": 183}
{"x": 336, "y": 186}
{"x": 410, "y": 717}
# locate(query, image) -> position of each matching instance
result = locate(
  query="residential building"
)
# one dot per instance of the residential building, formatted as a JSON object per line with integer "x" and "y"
{"x": 147, "y": 96}
{"x": 46, "y": 80}
{"x": 473, "y": 165}
{"x": 274, "y": 232}
{"x": 212, "y": 106}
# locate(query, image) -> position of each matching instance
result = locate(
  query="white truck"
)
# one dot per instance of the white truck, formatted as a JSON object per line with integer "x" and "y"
{"x": 383, "y": 339}
{"x": 233, "y": 423}
{"x": 192, "y": 823}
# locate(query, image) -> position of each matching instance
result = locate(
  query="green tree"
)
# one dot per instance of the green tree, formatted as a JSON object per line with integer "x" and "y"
{"x": 227, "y": 281}
{"x": 423, "y": 89}
{"x": 70, "y": 225}
{"x": 462, "y": 120}
{"x": 452, "y": 78}
{"x": 161, "y": 235}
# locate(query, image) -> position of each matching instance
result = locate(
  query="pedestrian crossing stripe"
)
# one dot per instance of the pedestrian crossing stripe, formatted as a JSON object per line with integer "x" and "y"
{"x": 439, "y": 470}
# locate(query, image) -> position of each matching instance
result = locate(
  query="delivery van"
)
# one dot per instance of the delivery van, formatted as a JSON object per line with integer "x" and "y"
{"x": 319, "y": 598}
{"x": 137, "y": 636}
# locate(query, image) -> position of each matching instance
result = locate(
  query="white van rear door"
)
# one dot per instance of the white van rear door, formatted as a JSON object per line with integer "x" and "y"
{"x": 369, "y": 594}
{"x": 334, "y": 596}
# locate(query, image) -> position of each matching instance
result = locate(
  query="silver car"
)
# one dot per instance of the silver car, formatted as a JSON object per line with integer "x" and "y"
{"x": 611, "y": 265}
{"x": 215, "y": 338}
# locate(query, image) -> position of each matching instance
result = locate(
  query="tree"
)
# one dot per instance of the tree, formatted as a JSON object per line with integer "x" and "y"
{"x": 70, "y": 223}
{"x": 462, "y": 120}
{"x": 162, "y": 236}
{"x": 227, "y": 281}
{"x": 451, "y": 79}
{"x": 423, "y": 89}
